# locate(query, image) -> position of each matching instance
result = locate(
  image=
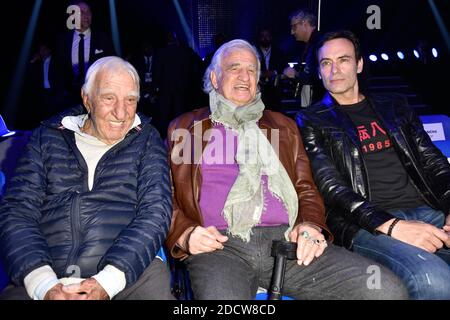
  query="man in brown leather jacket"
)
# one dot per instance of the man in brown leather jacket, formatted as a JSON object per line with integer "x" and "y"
{"x": 241, "y": 178}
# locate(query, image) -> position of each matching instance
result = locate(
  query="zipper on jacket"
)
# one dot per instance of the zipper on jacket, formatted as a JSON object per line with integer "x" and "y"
{"x": 359, "y": 154}
{"x": 74, "y": 214}
{"x": 367, "y": 180}
{"x": 75, "y": 226}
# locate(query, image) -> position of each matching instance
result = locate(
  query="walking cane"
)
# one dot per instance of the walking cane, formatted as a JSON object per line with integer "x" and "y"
{"x": 281, "y": 250}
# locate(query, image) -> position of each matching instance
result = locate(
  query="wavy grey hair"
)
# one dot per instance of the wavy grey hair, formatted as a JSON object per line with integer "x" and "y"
{"x": 216, "y": 62}
{"x": 304, "y": 15}
{"x": 111, "y": 63}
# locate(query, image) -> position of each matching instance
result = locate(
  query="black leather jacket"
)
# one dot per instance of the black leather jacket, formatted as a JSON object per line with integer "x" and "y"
{"x": 334, "y": 149}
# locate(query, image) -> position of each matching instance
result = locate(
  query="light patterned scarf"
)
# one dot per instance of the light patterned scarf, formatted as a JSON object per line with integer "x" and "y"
{"x": 255, "y": 157}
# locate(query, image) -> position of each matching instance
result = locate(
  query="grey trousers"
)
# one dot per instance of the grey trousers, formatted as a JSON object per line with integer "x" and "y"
{"x": 153, "y": 284}
{"x": 240, "y": 268}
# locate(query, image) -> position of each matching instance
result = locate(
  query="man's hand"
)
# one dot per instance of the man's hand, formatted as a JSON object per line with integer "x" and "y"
{"x": 202, "y": 240}
{"x": 90, "y": 289}
{"x": 57, "y": 293}
{"x": 417, "y": 233}
{"x": 307, "y": 247}
{"x": 447, "y": 229}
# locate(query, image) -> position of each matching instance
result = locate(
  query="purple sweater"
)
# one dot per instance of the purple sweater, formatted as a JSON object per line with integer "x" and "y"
{"x": 219, "y": 172}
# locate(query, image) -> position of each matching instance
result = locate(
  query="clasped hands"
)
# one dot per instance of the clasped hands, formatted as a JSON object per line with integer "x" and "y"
{"x": 88, "y": 289}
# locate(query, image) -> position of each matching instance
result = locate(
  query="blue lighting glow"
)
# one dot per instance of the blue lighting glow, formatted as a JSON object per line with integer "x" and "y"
{"x": 186, "y": 29}
{"x": 434, "y": 52}
{"x": 22, "y": 61}
{"x": 400, "y": 55}
{"x": 115, "y": 27}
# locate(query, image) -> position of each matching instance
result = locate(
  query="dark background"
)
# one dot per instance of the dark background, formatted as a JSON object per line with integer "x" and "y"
{"x": 403, "y": 24}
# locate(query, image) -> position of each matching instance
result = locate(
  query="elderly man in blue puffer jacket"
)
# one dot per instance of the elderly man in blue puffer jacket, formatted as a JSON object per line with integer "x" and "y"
{"x": 90, "y": 204}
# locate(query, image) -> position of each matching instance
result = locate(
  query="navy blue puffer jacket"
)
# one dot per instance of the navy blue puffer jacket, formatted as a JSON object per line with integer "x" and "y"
{"x": 48, "y": 215}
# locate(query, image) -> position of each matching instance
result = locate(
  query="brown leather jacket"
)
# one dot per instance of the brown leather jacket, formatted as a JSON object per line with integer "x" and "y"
{"x": 187, "y": 179}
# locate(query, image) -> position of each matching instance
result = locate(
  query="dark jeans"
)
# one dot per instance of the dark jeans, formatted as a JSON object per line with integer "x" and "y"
{"x": 426, "y": 275}
{"x": 153, "y": 284}
{"x": 240, "y": 268}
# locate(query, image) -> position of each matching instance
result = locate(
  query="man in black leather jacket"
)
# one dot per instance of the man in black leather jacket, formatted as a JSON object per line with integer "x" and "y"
{"x": 385, "y": 185}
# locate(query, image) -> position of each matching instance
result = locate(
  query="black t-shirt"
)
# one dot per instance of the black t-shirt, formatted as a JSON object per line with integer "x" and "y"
{"x": 389, "y": 183}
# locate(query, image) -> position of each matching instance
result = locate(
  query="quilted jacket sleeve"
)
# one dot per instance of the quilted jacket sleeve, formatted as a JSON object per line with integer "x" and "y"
{"x": 22, "y": 245}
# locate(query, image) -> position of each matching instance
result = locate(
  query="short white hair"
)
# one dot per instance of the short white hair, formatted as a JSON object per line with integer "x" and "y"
{"x": 110, "y": 64}
{"x": 216, "y": 62}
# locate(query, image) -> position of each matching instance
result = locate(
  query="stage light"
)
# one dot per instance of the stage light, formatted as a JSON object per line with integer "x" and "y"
{"x": 435, "y": 52}
{"x": 184, "y": 24}
{"x": 4, "y": 132}
{"x": 12, "y": 99}
{"x": 373, "y": 58}
{"x": 416, "y": 53}
{"x": 8, "y": 134}
{"x": 384, "y": 56}
{"x": 400, "y": 55}
{"x": 115, "y": 27}
{"x": 292, "y": 64}
{"x": 441, "y": 24}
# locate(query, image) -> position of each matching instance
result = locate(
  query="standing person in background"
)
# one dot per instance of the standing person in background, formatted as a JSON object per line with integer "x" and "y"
{"x": 75, "y": 51}
{"x": 304, "y": 29}
{"x": 273, "y": 62}
{"x": 177, "y": 81}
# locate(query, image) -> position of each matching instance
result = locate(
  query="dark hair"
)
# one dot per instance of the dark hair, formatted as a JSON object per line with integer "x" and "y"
{"x": 305, "y": 15}
{"x": 342, "y": 34}
{"x": 264, "y": 29}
